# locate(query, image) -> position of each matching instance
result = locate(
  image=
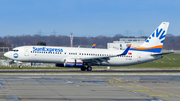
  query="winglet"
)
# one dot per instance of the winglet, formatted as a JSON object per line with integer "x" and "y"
{"x": 94, "y": 45}
{"x": 126, "y": 51}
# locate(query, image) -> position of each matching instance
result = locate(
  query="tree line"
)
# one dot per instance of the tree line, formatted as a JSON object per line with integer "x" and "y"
{"x": 171, "y": 41}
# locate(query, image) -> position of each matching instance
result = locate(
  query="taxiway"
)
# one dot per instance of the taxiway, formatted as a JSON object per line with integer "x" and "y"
{"x": 89, "y": 87}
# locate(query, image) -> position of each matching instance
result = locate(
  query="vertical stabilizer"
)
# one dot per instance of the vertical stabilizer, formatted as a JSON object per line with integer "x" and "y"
{"x": 154, "y": 42}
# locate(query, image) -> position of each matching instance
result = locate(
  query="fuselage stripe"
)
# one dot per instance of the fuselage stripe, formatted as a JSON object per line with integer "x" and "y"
{"x": 145, "y": 48}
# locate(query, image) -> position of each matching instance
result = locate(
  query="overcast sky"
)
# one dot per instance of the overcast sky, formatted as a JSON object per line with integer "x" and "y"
{"x": 88, "y": 17}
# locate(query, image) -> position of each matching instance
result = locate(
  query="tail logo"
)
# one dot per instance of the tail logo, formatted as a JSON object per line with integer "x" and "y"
{"x": 158, "y": 34}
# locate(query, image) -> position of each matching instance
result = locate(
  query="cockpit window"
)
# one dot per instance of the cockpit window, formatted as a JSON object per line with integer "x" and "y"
{"x": 14, "y": 50}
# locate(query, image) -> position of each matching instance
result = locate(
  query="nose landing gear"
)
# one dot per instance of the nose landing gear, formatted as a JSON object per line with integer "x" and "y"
{"x": 11, "y": 64}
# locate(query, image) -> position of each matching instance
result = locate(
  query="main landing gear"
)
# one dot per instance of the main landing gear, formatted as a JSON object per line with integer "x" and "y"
{"x": 11, "y": 63}
{"x": 89, "y": 68}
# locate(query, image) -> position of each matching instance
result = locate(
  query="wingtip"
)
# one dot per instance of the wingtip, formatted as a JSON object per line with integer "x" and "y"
{"x": 130, "y": 45}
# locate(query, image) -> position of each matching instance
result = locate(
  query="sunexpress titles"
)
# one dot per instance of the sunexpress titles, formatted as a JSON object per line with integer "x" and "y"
{"x": 48, "y": 49}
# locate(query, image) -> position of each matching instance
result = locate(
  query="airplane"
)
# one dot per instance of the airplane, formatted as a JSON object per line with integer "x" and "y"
{"x": 84, "y": 58}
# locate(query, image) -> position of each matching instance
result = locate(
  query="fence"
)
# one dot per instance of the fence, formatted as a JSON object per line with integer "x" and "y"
{"x": 4, "y": 50}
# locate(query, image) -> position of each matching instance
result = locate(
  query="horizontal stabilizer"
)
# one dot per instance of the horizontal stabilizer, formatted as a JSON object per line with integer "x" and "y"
{"x": 161, "y": 54}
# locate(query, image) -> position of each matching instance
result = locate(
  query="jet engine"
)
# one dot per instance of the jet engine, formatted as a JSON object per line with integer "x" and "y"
{"x": 73, "y": 63}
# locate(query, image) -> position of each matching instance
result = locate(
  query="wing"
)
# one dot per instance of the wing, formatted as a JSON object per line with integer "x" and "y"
{"x": 98, "y": 60}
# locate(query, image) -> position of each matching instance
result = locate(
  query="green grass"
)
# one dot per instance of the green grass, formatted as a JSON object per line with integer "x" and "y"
{"x": 170, "y": 61}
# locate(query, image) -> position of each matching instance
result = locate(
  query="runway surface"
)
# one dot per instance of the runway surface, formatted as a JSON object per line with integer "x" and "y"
{"x": 89, "y": 88}
{"x": 79, "y": 71}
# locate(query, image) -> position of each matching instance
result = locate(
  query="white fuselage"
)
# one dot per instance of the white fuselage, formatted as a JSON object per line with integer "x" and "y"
{"x": 54, "y": 54}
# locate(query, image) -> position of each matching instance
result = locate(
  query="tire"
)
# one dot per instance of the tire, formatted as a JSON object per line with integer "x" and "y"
{"x": 20, "y": 67}
{"x": 89, "y": 68}
{"x": 83, "y": 68}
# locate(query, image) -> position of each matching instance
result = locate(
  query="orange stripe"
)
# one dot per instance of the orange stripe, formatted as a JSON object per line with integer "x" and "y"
{"x": 79, "y": 62}
{"x": 94, "y": 45}
{"x": 73, "y": 62}
{"x": 142, "y": 48}
{"x": 69, "y": 62}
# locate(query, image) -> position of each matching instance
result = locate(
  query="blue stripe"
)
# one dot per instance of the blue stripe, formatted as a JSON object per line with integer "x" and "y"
{"x": 73, "y": 64}
{"x": 79, "y": 64}
{"x": 156, "y": 50}
{"x": 70, "y": 64}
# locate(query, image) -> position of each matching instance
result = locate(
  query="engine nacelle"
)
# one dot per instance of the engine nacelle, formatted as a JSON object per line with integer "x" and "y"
{"x": 73, "y": 63}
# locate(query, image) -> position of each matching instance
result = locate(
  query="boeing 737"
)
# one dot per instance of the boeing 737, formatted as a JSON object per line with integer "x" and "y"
{"x": 84, "y": 58}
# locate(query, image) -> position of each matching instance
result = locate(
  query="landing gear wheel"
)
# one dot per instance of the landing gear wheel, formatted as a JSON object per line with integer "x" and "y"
{"x": 20, "y": 67}
{"x": 89, "y": 68}
{"x": 83, "y": 68}
{"x": 10, "y": 65}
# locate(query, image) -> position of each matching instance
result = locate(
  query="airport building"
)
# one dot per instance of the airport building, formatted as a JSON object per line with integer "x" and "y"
{"x": 123, "y": 43}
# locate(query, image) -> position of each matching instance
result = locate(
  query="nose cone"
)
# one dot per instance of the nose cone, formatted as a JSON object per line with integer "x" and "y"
{"x": 6, "y": 54}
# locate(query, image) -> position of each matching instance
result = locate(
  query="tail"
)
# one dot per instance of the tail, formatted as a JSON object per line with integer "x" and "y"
{"x": 94, "y": 45}
{"x": 154, "y": 42}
